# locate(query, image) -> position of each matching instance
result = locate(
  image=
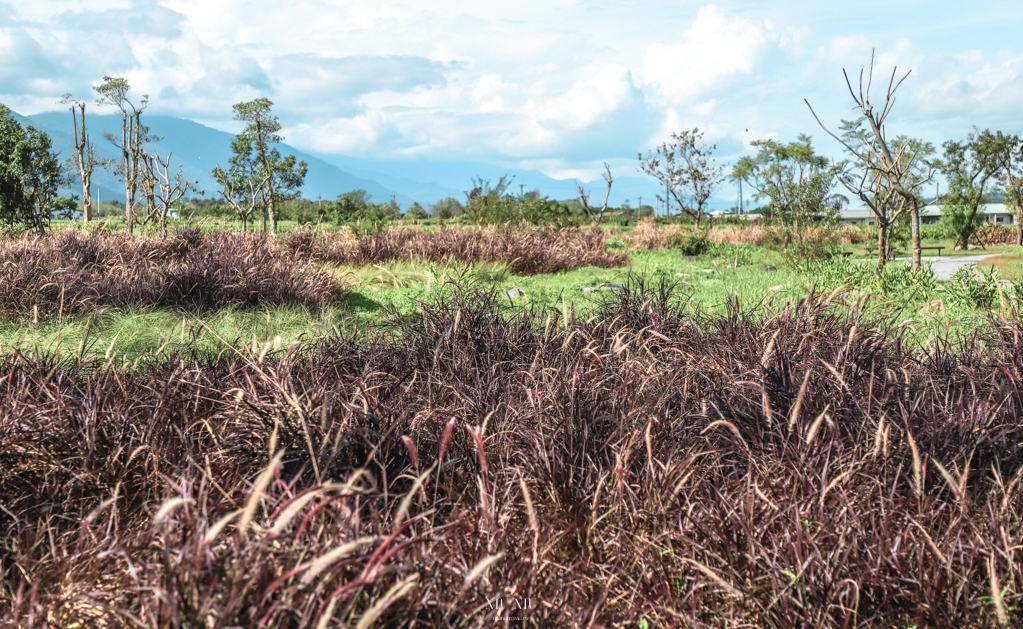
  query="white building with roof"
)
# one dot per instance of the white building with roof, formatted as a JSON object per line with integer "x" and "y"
{"x": 995, "y": 213}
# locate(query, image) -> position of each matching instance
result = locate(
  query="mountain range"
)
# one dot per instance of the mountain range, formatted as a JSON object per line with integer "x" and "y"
{"x": 197, "y": 148}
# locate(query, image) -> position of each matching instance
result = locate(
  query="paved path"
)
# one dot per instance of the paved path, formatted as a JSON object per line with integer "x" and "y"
{"x": 946, "y": 266}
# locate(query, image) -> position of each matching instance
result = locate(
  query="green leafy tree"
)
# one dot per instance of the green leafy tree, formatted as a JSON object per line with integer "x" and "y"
{"x": 416, "y": 213}
{"x": 244, "y": 184}
{"x": 279, "y": 177}
{"x": 447, "y": 208}
{"x": 970, "y": 168}
{"x": 30, "y": 175}
{"x": 797, "y": 185}
{"x": 1005, "y": 155}
{"x": 354, "y": 210}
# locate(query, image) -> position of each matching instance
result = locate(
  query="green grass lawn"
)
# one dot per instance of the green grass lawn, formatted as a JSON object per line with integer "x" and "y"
{"x": 760, "y": 281}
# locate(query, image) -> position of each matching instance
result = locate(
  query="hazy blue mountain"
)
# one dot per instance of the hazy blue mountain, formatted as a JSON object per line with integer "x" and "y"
{"x": 455, "y": 178}
{"x": 198, "y": 148}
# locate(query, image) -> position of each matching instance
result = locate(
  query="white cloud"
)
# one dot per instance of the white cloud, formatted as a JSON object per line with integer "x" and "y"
{"x": 588, "y": 101}
{"x": 715, "y": 48}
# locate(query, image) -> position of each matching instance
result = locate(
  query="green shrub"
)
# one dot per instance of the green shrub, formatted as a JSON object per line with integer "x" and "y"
{"x": 738, "y": 254}
{"x": 492, "y": 209}
{"x": 971, "y": 288}
{"x": 690, "y": 244}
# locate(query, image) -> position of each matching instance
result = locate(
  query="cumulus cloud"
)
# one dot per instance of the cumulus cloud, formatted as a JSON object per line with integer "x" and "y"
{"x": 354, "y": 75}
{"x": 970, "y": 87}
{"x": 714, "y": 49}
{"x": 588, "y": 101}
{"x": 146, "y": 17}
{"x": 558, "y": 83}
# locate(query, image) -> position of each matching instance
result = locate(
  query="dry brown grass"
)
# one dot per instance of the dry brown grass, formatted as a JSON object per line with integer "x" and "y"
{"x": 526, "y": 251}
{"x": 993, "y": 235}
{"x": 744, "y": 235}
{"x": 647, "y": 235}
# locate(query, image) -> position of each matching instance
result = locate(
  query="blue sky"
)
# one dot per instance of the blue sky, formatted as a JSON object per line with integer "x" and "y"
{"x": 550, "y": 85}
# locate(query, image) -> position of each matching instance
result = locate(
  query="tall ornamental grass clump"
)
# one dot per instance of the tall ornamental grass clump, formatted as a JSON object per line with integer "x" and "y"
{"x": 650, "y": 466}
{"x": 47, "y": 277}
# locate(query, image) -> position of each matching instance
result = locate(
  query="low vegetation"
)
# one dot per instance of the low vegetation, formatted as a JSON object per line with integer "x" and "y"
{"x": 49, "y": 277}
{"x": 652, "y": 466}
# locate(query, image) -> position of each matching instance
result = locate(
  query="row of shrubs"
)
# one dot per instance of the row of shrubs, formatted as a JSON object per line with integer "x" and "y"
{"x": 649, "y": 467}
{"x": 66, "y": 273}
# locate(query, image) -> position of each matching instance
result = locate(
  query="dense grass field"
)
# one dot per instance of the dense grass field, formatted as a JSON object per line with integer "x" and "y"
{"x": 505, "y": 428}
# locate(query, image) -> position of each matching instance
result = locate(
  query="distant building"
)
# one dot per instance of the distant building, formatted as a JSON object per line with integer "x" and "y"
{"x": 995, "y": 213}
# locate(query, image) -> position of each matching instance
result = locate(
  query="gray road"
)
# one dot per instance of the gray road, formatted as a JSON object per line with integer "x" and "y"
{"x": 946, "y": 266}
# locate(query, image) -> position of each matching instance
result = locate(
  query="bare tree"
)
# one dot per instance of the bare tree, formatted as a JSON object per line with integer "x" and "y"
{"x": 897, "y": 168}
{"x": 244, "y": 191}
{"x": 114, "y": 91}
{"x": 162, "y": 190}
{"x": 85, "y": 158}
{"x": 584, "y": 196}
{"x": 686, "y": 169}
{"x": 866, "y": 179}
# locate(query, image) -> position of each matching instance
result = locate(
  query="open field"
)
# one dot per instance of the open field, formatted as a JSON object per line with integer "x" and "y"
{"x": 327, "y": 433}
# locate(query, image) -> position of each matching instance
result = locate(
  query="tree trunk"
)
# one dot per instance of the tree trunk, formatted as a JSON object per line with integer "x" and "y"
{"x": 1019, "y": 229}
{"x": 882, "y": 247}
{"x": 86, "y": 196}
{"x": 914, "y": 231}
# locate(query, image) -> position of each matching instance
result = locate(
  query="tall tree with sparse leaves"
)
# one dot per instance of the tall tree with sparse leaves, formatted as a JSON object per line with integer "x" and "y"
{"x": 113, "y": 91}
{"x": 686, "y": 168}
{"x": 864, "y": 177}
{"x": 280, "y": 177}
{"x": 85, "y": 158}
{"x": 879, "y": 155}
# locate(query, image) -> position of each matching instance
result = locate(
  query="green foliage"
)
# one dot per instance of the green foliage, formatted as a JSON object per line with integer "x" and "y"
{"x": 802, "y": 211}
{"x": 690, "y": 244}
{"x": 416, "y": 213}
{"x": 615, "y": 245}
{"x": 737, "y": 254}
{"x": 30, "y": 173}
{"x": 355, "y": 211}
{"x": 896, "y": 280}
{"x": 491, "y": 206}
{"x": 446, "y": 209}
{"x": 971, "y": 288}
{"x": 960, "y": 219}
